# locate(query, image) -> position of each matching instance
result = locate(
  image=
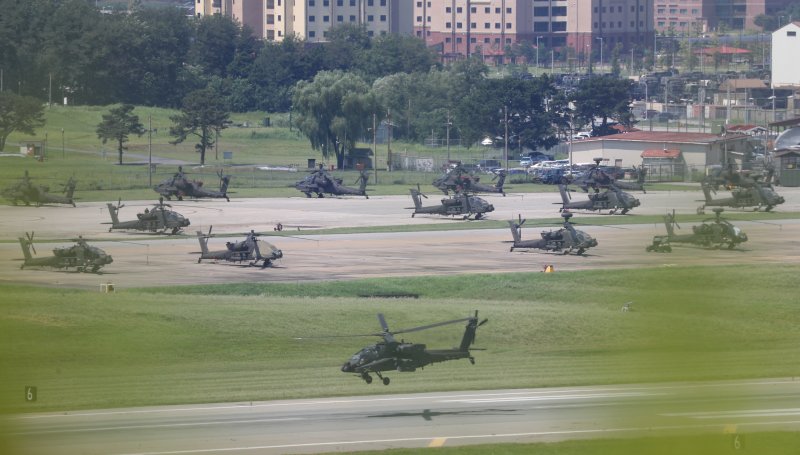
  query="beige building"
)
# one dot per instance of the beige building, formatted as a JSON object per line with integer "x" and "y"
{"x": 485, "y": 27}
{"x": 312, "y": 19}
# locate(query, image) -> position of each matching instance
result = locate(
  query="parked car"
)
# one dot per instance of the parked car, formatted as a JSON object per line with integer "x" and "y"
{"x": 581, "y": 135}
{"x": 525, "y": 161}
{"x": 666, "y": 116}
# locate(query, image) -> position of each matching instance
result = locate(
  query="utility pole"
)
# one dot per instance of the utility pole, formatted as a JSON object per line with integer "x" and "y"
{"x": 375, "y": 145}
{"x": 447, "y": 124}
{"x": 150, "y": 150}
{"x": 505, "y": 147}
{"x": 389, "y": 140}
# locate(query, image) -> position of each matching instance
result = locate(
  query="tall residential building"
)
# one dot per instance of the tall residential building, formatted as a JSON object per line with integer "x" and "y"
{"x": 486, "y": 27}
{"x": 312, "y": 19}
{"x": 698, "y": 16}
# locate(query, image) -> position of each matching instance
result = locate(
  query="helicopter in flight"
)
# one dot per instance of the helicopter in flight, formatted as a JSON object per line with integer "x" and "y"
{"x": 81, "y": 256}
{"x": 756, "y": 195}
{"x": 250, "y": 250}
{"x": 564, "y": 240}
{"x": 712, "y": 233}
{"x": 457, "y": 204}
{"x": 458, "y": 180}
{"x": 179, "y": 186}
{"x": 392, "y": 355}
{"x": 611, "y": 199}
{"x": 26, "y": 192}
{"x": 158, "y": 219}
{"x": 597, "y": 178}
{"x": 321, "y": 182}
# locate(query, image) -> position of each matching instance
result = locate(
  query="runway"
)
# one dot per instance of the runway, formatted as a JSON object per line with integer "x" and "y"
{"x": 420, "y": 420}
{"x": 142, "y": 260}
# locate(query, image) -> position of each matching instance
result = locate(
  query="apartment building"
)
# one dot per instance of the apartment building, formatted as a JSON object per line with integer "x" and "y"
{"x": 785, "y": 49}
{"x": 486, "y": 27}
{"x": 698, "y": 16}
{"x": 312, "y": 19}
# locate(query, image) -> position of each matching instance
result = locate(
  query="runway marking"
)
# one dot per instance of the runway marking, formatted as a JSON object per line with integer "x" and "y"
{"x": 154, "y": 426}
{"x": 437, "y": 442}
{"x": 473, "y": 436}
{"x": 549, "y": 397}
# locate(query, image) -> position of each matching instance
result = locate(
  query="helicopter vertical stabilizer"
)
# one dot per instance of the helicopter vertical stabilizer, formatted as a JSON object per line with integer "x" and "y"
{"x": 113, "y": 212}
{"x": 203, "y": 242}
{"x": 469, "y": 332}
{"x": 26, "y": 248}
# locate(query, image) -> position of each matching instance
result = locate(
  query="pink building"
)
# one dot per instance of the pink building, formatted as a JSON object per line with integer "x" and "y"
{"x": 486, "y": 27}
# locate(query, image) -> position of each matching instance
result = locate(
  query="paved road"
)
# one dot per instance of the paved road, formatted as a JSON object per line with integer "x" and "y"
{"x": 422, "y": 420}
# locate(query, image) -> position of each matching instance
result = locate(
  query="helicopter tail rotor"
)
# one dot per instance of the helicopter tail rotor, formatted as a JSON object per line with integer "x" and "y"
{"x": 30, "y": 241}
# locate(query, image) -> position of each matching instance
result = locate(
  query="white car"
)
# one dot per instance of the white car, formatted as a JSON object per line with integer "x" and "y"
{"x": 581, "y": 135}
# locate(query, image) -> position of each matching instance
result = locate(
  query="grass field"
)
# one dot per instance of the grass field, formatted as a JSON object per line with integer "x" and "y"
{"x": 236, "y": 343}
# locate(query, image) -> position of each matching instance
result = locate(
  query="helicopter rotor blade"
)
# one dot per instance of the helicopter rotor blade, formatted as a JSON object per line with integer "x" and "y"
{"x": 382, "y": 321}
{"x": 430, "y": 326}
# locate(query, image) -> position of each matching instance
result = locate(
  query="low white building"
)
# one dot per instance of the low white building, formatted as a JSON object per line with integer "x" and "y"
{"x": 785, "y": 50}
{"x": 695, "y": 151}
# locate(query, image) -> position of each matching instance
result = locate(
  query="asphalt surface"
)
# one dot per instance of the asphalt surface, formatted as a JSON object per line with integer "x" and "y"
{"x": 422, "y": 420}
{"x": 142, "y": 259}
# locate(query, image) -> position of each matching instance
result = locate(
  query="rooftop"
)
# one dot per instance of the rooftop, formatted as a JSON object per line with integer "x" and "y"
{"x": 667, "y": 137}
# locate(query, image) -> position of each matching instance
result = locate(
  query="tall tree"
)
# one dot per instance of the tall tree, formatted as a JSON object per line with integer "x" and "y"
{"x": 334, "y": 110}
{"x": 19, "y": 113}
{"x": 604, "y": 97}
{"x": 118, "y": 124}
{"x": 203, "y": 114}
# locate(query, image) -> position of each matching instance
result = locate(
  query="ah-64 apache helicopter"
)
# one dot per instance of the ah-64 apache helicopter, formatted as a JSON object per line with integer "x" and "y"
{"x": 158, "y": 219}
{"x": 756, "y": 195}
{"x": 611, "y": 199}
{"x": 459, "y": 180}
{"x": 321, "y": 182}
{"x": 81, "y": 256}
{"x": 179, "y": 186}
{"x": 564, "y": 240}
{"x": 713, "y": 233}
{"x": 28, "y": 193}
{"x": 597, "y": 178}
{"x": 250, "y": 250}
{"x": 457, "y": 204}
{"x": 392, "y": 355}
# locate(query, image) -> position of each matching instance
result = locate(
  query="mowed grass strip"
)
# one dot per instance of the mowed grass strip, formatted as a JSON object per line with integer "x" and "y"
{"x": 234, "y": 343}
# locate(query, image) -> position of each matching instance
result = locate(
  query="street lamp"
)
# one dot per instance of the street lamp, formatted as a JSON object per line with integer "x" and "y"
{"x": 601, "y": 53}
{"x": 448, "y": 123}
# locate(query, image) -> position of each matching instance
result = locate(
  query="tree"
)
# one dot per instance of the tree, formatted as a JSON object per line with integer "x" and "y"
{"x": 334, "y": 110}
{"x": 118, "y": 124}
{"x": 19, "y": 113}
{"x": 604, "y": 97}
{"x": 203, "y": 113}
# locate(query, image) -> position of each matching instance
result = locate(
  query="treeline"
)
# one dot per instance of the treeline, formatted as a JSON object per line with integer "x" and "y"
{"x": 55, "y": 49}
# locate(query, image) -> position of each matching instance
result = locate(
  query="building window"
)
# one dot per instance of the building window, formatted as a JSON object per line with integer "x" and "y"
{"x": 473, "y": 10}
{"x": 352, "y": 18}
{"x": 508, "y": 25}
{"x": 448, "y": 25}
{"x": 473, "y": 40}
{"x": 558, "y": 26}
{"x": 458, "y": 40}
{"x": 339, "y": 2}
{"x": 540, "y": 11}
{"x": 383, "y": 3}
{"x": 473, "y": 25}
{"x": 487, "y": 25}
{"x": 541, "y": 26}
{"x": 559, "y": 11}
{"x": 791, "y": 33}
{"x": 383, "y": 18}
{"x": 487, "y": 10}
{"x": 487, "y": 40}
{"x": 370, "y": 18}
{"x": 312, "y": 34}
{"x": 326, "y": 18}
{"x": 270, "y": 18}
{"x": 340, "y": 18}
{"x": 447, "y": 39}
{"x": 311, "y": 3}
{"x": 419, "y": 18}
{"x": 459, "y": 10}
{"x": 311, "y": 18}
{"x": 497, "y": 25}
{"x": 459, "y": 25}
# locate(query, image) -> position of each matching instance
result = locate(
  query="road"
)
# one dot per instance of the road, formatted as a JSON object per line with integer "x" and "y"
{"x": 141, "y": 260}
{"x": 420, "y": 420}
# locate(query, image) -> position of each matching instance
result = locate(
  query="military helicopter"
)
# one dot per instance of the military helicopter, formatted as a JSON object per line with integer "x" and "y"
{"x": 180, "y": 186}
{"x": 457, "y": 204}
{"x": 249, "y": 250}
{"x": 157, "y": 219}
{"x": 611, "y": 199}
{"x": 390, "y": 354}
{"x": 81, "y": 256}
{"x": 565, "y": 240}
{"x": 596, "y": 178}
{"x": 458, "y": 180}
{"x": 713, "y": 233}
{"x": 321, "y": 182}
{"x": 756, "y": 196}
{"x": 27, "y": 192}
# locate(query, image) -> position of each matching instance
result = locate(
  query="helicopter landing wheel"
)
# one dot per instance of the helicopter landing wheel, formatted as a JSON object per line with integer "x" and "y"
{"x": 367, "y": 378}
{"x": 385, "y": 381}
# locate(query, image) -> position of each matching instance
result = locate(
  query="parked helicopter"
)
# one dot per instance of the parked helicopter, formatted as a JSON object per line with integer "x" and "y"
{"x": 611, "y": 199}
{"x": 597, "y": 178}
{"x": 249, "y": 250}
{"x": 390, "y": 354}
{"x": 180, "y": 186}
{"x": 713, "y": 233}
{"x": 457, "y": 204}
{"x": 321, "y": 182}
{"x": 755, "y": 196}
{"x": 458, "y": 179}
{"x": 158, "y": 219}
{"x": 81, "y": 256}
{"x": 26, "y": 192}
{"x": 565, "y": 240}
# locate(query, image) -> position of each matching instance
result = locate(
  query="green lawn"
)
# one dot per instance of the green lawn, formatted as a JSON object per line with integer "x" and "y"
{"x": 237, "y": 343}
